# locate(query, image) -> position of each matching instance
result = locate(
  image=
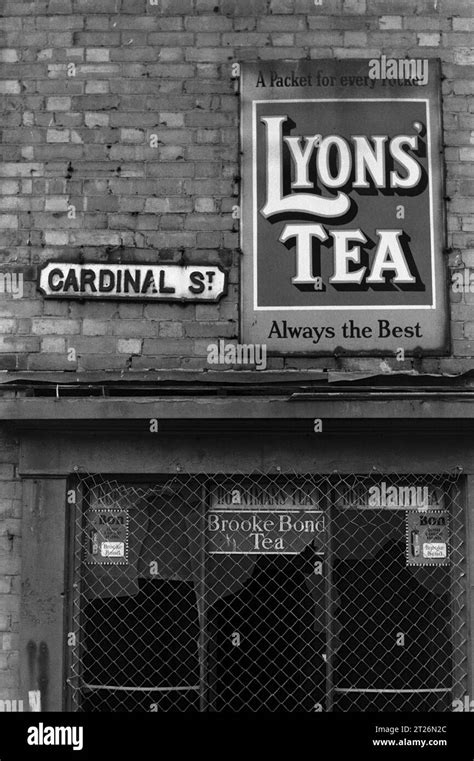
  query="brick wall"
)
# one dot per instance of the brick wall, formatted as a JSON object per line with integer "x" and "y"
{"x": 87, "y": 82}
{"x": 10, "y": 553}
{"x": 80, "y": 177}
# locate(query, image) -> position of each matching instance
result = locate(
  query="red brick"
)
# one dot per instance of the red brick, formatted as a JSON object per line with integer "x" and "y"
{"x": 171, "y": 240}
{"x": 99, "y": 362}
{"x": 214, "y": 329}
{"x": 133, "y": 6}
{"x": 96, "y": 39}
{"x": 208, "y": 24}
{"x": 174, "y": 80}
{"x": 219, "y": 55}
{"x": 167, "y": 347}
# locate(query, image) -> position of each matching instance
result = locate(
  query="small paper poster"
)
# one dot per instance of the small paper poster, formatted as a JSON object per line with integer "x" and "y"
{"x": 107, "y": 537}
{"x": 427, "y": 537}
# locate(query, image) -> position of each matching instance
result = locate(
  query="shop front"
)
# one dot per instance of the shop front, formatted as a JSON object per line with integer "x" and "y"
{"x": 258, "y": 566}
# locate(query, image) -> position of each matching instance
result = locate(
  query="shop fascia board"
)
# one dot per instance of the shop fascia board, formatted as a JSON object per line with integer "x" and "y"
{"x": 222, "y": 378}
{"x": 28, "y": 410}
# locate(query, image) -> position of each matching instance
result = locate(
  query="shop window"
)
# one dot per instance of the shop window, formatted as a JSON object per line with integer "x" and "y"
{"x": 261, "y": 593}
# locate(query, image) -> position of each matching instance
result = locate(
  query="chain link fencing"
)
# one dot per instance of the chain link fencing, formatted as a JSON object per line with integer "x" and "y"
{"x": 267, "y": 592}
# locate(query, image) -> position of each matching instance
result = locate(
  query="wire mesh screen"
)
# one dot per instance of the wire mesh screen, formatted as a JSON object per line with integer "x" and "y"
{"x": 260, "y": 592}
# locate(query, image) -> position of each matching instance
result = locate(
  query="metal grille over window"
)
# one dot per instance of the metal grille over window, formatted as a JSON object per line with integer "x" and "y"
{"x": 267, "y": 592}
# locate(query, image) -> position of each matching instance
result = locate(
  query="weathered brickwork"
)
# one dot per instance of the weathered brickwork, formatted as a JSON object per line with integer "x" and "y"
{"x": 10, "y": 553}
{"x": 85, "y": 84}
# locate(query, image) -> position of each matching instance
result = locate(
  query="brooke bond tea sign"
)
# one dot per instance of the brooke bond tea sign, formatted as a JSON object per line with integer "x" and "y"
{"x": 342, "y": 207}
{"x": 253, "y": 532}
{"x": 265, "y": 518}
{"x": 427, "y": 538}
{"x": 108, "y": 543}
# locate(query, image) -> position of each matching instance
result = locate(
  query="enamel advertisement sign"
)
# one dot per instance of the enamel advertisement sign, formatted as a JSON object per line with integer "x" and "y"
{"x": 342, "y": 214}
{"x": 427, "y": 538}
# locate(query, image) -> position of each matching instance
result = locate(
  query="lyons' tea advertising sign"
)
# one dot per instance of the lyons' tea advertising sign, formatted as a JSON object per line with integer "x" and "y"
{"x": 342, "y": 207}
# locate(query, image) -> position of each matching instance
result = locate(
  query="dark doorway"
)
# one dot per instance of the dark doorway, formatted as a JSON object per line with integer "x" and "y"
{"x": 392, "y": 620}
{"x": 267, "y": 640}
